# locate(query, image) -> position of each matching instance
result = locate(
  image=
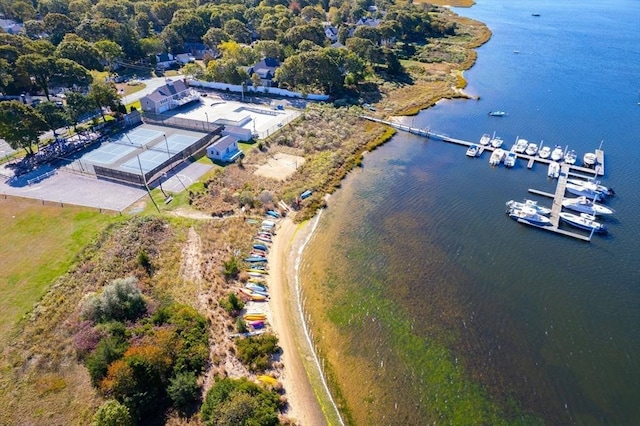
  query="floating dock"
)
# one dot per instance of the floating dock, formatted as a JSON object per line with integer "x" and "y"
{"x": 565, "y": 171}
{"x": 598, "y": 170}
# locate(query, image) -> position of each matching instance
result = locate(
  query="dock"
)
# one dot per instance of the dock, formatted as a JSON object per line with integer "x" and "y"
{"x": 598, "y": 170}
{"x": 556, "y": 207}
{"x": 566, "y": 170}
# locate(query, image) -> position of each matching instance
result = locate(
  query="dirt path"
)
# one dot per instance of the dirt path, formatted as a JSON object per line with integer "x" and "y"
{"x": 303, "y": 405}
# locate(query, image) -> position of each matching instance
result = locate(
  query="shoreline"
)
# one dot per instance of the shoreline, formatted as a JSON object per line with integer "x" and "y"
{"x": 301, "y": 373}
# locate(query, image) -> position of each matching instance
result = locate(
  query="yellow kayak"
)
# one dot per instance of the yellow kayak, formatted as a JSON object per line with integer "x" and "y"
{"x": 259, "y": 271}
{"x": 267, "y": 380}
{"x": 258, "y": 297}
{"x": 254, "y": 317}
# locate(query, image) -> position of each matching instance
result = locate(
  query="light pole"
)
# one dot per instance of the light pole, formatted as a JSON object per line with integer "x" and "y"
{"x": 207, "y": 116}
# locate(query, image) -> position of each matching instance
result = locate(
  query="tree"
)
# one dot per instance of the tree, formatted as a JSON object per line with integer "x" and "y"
{"x": 109, "y": 51}
{"x": 39, "y": 68}
{"x": 78, "y": 106}
{"x": 183, "y": 390}
{"x": 22, "y": 11}
{"x": 269, "y": 49}
{"x": 104, "y": 95}
{"x": 239, "y": 402}
{"x": 21, "y": 125}
{"x": 226, "y": 71}
{"x": 312, "y": 32}
{"x": 5, "y": 74}
{"x": 214, "y": 36}
{"x": 68, "y": 73}
{"x": 57, "y": 25}
{"x": 112, "y": 413}
{"x": 238, "y": 31}
{"x": 53, "y": 115}
{"x": 193, "y": 71}
{"x": 79, "y": 50}
{"x": 189, "y": 25}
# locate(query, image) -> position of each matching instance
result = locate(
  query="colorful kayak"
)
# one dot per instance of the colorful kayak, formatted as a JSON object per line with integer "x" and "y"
{"x": 255, "y": 287}
{"x": 254, "y": 316}
{"x": 256, "y": 324}
{"x": 255, "y": 259}
{"x": 259, "y": 271}
{"x": 258, "y": 297}
{"x": 273, "y": 214}
{"x": 267, "y": 380}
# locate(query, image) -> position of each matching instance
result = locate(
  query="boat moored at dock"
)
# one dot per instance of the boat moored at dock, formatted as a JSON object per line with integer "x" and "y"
{"x": 529, "y": 215}
{"x": 521, "y": 145}
{"x": 510, "y": 159}
{"x": 532, "y": 149}
{"x": 531, "y": 204}
{"x": 557, "y": 153}
{"x": 496, "y": 157}
{"x": 554, "y": 170}
{"x": 589, "y": 159}
{"x": 583, "y": 221}
{"x": 472, "y": 151}
{"x": 585, "y": 205}
{"x": 485, "y": 139}
{"x": 545, "y": 152}
{"x": 496, "y": 141}
{"x": 570, "y": 157}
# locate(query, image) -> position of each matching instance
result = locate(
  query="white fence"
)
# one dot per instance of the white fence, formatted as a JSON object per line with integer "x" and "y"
{"x": 252, "y": 89}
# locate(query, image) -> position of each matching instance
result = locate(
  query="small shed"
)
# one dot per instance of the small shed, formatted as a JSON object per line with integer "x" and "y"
{"x": 224, "y": 150}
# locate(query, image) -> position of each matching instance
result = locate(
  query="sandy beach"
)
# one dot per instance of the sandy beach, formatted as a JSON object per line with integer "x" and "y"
{"x": 304, "y": 407}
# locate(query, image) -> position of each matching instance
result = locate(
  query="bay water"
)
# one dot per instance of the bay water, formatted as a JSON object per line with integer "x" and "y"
{"x": 429, "y": 304}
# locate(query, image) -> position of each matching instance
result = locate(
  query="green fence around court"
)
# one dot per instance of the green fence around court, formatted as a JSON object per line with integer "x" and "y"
{"x": 179, "y": 122}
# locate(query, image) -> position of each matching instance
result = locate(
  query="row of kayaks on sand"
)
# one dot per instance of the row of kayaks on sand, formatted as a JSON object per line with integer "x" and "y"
{"x": 584, "y": 209}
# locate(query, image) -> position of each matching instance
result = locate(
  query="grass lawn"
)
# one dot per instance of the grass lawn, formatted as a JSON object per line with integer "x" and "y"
{"x": 39, "y": 243}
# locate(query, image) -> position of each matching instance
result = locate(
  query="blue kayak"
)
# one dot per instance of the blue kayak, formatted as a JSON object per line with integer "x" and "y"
{"x": 255, "y": 259}
{"x": 261, "y": 247}
{"x": 273, "y": 214}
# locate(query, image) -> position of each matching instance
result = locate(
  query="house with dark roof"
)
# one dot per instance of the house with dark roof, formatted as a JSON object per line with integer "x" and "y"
{"x": 10, "y": 26}
{"x": 165, "y": 60}
{"x": 266, "y": 70}
{"x": 172, "y": 95}
{"x": 199, "y": 50}
{"x": 224, "y": 150}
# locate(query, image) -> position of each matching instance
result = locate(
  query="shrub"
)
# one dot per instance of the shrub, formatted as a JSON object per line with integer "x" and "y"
{"x": 120, "y": 300}
{"x": 255, "y": 352}
{"x": 232, "y": 304}
{"x": 239, "y": 402}
{"x": 112, "y": 413}
{"x": 231, "y": 268}
{"x": 241, "y": 325}
{"x": 108, "y": 350}
{"x": 183, "y": 390}
{"x": 144, "y": 261}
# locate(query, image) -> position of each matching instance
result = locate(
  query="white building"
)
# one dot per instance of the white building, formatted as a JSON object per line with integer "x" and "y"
{"x": 171, "y": 95}
{"x": 224, "y": 150}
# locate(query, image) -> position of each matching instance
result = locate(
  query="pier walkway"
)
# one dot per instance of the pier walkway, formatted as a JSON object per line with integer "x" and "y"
{"x": 598, "y": 170}
{"x": 566, "y": 170}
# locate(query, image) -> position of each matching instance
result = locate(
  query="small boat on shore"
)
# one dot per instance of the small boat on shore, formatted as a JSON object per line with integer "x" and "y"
{"x": 260, "y": 247}
{"x": 557, "y": 153}
{"x": 531, "y": 204}
{"x": 257, "y": 287}
{"x": 497, "y": 113}
{"x": 589, "y": 159}
{"x": 521, "y": 145}
{"x": 273, "y": 214}
{"x": 585, "y": 205}
{"x": 529, "y": 215}
{"x": 485, "y": 139}
{"x": 583, "y": 221}
{"x": 472, "y": 151}
{"x": 554, "y": 170}
{"x": 496, "y": 157}
{"x": 544, "y": 152}
{"x": 255, "y": 259}
{"x": 254, "y": 316}
{"x": 510, "y": 159}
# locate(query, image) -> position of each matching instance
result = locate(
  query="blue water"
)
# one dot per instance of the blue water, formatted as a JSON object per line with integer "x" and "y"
{"x": 549, "y": 320}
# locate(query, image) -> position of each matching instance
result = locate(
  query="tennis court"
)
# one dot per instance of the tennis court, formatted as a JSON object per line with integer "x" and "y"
{"x": 138, "y": 137}
{"x": 147, "y": 161}
{"x": 109, "y": 153}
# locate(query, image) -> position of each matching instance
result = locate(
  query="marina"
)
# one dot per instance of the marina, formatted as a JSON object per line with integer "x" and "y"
{"x": 497, "y": 156}
{"x": 598, "y": 169}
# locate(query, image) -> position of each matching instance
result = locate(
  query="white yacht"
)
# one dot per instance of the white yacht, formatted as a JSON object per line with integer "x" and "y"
{"x": 496, "y": 157}
{"x": 472, "y": 151}
{"x": 521, "y": 145}
{"x": 570, "y": 157}
{"x": 496, "y": 142}
{"x": 585, "y": 205}
{"x": 530, "y": 216}
{"x": 554, "y": 170}
{"x": 532, "y": 149}
{"x": 544, "y": 152}
{"x": 485, "y": 139}
{"x": 532, "y": 204}
{"x": 510, "y": 159}
{"x": 557, "y": 153}
{"x": 584, "y": 221}
{"x": 589, "y": 159}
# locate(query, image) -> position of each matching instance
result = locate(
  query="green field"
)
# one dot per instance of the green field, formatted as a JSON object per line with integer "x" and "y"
{"x": 38, "y": 244}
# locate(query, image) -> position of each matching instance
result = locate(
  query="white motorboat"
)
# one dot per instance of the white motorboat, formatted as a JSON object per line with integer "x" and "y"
{"x": 554, "y": 170}
{"x": 521, "y": 145}
{"x": 529, "y": 215}
{"x": 584, "y": 221}
{"x": 589, "y": 159}
{"x": 472, "y": 151}
{"x": 570, "y": 157}
{"x": 485, "y": 139}
{"x": 532, "y": 204}
{"x": 496, "y": 142}
{"x": 510, "y": 159}
{"x": 585, "y": 205}
{"x": 592, "y": 186}
{"x": 497, "y": 113}
{"x": 496, "y": 157}
{"x": 532, "y": 149}
{"x": 544, "y": 152}
{"x": 557, "y": 153}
